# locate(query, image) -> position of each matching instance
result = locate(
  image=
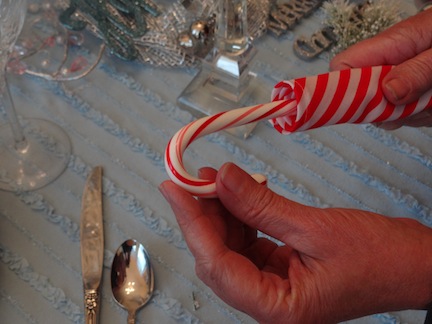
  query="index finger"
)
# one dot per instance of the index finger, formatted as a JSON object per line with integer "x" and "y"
{"x": 393, "y": 46}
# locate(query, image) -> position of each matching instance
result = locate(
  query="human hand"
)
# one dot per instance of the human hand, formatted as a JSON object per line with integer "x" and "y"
{"x": 334, "y": 264}
{"x": 408, "y": 46}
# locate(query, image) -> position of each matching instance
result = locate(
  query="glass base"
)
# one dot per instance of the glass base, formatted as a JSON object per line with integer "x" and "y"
{"x": 213, "y": 90}
{"x": 37, "y": 161}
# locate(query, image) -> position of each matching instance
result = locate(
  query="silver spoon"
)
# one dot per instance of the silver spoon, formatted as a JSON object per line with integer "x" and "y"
{"x": 132, "y": 278}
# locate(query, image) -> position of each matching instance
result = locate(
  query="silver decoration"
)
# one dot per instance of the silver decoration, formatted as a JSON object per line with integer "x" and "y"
{"x": 186, "y": 41}
{"x": 166, "y": 42}
{"x": 352, "y": 22}
{"x": 199, "y": 39}
{"x": 320, "y": 41}
{"x": 284, "y": 16}
{"x": 200, "y": 30}
{"x": 91, "y": 301}
{"x": 201, "y": 33}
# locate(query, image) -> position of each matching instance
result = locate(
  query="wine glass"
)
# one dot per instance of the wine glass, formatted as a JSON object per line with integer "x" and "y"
{"x": 33, "y": 152}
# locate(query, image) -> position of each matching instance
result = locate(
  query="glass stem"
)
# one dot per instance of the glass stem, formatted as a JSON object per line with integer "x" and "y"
{"x": 9, "y": 108}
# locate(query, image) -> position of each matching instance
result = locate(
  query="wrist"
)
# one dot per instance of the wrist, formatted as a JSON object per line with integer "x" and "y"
{"x": 427, "y": 302}
{"x": 405, "y": 267}
{"x": 419, "y": 256}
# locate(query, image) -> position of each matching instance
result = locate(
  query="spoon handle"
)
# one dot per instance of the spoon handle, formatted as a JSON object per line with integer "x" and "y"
{"x": 131, "y": 317}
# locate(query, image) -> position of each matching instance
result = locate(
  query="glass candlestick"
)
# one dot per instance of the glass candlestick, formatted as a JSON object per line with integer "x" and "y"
{"x": 231, "y": 29}
{"x": 225, "y": 80}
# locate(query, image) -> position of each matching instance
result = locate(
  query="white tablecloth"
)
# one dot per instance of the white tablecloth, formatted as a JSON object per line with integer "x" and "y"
{"x": 121, "y": 116}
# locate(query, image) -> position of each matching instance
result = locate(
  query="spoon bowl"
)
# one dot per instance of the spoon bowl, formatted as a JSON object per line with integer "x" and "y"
{"x": 132, "y": 278}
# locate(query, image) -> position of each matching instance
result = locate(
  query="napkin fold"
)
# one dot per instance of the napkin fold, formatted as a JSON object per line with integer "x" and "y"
{"x": 338, "y": 97}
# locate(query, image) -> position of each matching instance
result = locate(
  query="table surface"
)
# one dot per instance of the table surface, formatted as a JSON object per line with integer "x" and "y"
{"x": 121, "y": 116}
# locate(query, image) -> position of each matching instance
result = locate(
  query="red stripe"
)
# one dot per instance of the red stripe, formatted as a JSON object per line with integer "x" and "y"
{"x": 180, "y": 140}
{"x": 359, "y": 96}
{"x": 273, "y": 110}
{"x": 377, "y": 98}
{"x": 408, "y": 109}
{"x": 338, "y": 96}
{"x": 277, "y": 95}
{"x": 317, "y": 95}
{"x": 178, "y": 175}
{"x": 280, "y": 84}
{"x": 244, "y": 115}
{"x": 388, "y": 111}
{"x": 278, "y": 127}
{"x": 299, "y": 85}
{"x": 203, "y": 126}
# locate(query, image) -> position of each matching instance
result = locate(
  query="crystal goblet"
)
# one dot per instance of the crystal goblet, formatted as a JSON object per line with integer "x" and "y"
{"x": 33, "y": 152}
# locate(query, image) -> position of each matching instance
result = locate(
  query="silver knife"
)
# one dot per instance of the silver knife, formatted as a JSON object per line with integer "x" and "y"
{"x": 92, "y": 244}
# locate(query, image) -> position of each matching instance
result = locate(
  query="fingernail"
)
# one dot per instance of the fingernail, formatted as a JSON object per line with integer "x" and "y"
{"x": 397, "y": 89}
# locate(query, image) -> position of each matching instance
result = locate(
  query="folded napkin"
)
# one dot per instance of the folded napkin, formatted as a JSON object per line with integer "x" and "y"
{"x": 347, "y": 96}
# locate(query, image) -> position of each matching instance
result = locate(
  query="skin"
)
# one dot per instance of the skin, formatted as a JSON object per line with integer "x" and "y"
{"x": 334, "y": 264}
{"x": 408, "y": 46}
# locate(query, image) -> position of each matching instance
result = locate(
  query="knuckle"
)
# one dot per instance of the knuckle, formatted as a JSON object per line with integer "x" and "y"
{"x": 260, "y": 204}
{"x": 206, "y": 270}
{"x": 420, "y": 75}
{"x": 203, "y": 270}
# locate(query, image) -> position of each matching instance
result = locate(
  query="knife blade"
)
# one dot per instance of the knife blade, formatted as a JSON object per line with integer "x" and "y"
{"x": 92, "y": 244}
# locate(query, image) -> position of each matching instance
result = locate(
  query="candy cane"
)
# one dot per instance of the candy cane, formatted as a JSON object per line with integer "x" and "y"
{"x": 204, "y": 126}
{"x": 348, "y": 96}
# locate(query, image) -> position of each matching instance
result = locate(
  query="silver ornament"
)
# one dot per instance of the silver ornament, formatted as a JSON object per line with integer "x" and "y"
{"x": 186, "y": 42}
{"x": 200, "y": 30}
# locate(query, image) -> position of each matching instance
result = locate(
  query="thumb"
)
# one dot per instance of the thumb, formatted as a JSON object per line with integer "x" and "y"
{"x": 409, "y": 80}
{"x": 260, "y": 208}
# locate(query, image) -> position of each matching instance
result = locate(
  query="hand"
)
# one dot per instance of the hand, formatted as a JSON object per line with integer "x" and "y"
{"x": 408, "y": 46}
{"x": 334, "y": 264}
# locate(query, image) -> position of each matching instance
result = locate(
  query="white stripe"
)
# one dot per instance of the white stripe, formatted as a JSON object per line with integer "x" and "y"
{"x": 371, "y": 92}
{"x": 310, "y": 86}
{"x": 346, "y": 102}
{"x": 376, "y": 112}
{"x": 328, "y": 96}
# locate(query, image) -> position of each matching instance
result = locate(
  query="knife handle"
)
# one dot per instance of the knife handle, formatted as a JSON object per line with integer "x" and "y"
{"x": 91, "y": 312}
